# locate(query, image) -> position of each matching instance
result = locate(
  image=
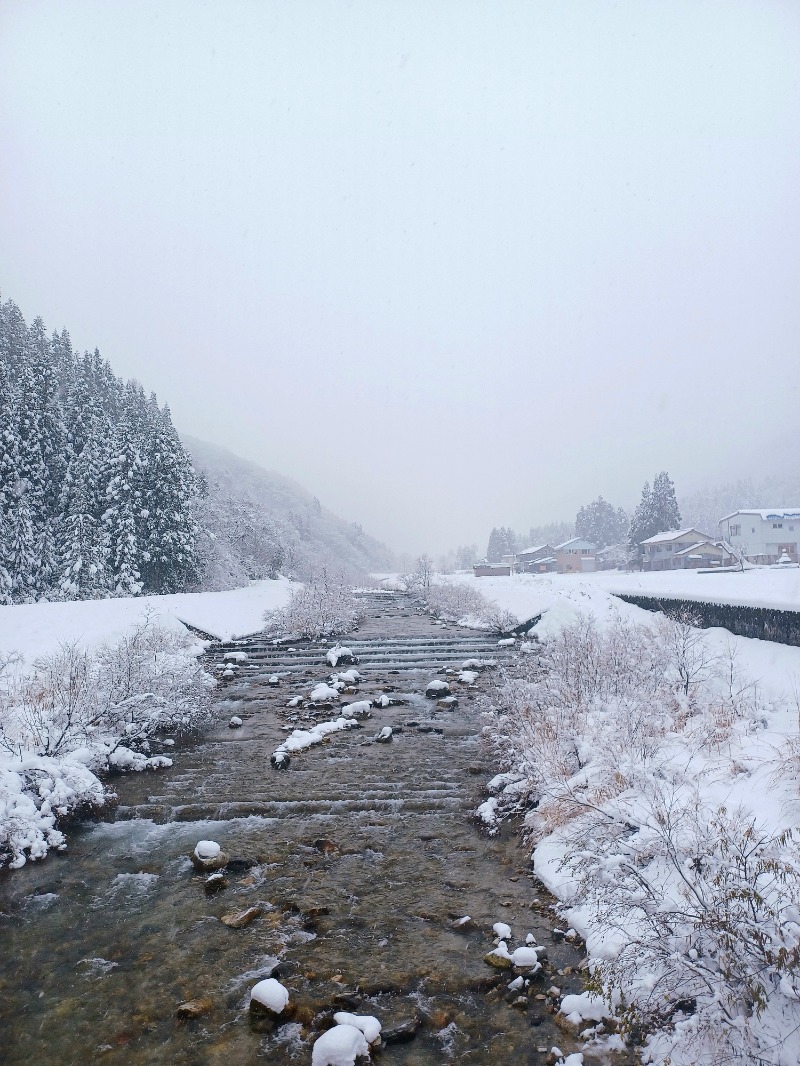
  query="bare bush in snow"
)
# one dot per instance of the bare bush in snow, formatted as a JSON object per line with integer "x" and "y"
{"x": 118, "y": 694}
{"x": 78, "y": 713}
{"x": 323, "y": 607}
{"x": 606, "y": 736}
{"x": 705, "y": 905}
{"x": 455, "y": 601}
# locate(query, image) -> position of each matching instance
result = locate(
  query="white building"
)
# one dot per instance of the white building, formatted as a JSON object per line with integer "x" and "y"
{"x": 763, "y": 534}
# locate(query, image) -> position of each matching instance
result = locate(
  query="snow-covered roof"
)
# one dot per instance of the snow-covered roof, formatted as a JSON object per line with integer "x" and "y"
{"x": 674, "y": 534}
{"x": 767, "y": 514}
{"x": 574, "y": 542}
{"x": 533, "y": 551}
{"x": 700, "y": 544}
{"x": 547, "y": 559}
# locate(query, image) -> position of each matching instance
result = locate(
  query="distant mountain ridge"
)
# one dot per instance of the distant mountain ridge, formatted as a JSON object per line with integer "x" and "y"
{"x": 259, "y": 523}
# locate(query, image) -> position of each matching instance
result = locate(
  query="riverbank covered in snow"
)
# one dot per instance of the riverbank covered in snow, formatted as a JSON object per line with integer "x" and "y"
{"x": 657, "y": 768}
{"x": 93, "y": 686}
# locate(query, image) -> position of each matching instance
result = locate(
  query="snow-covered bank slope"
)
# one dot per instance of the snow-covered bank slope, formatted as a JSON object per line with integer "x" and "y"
{"x": 773, "y": 586}
{"x": 562, "y": 598}
{"x": 39, "y": 628}
{"x": 658, "y": 768}
{"x": 118, "y": 679}
{"x": 777, "y": 587}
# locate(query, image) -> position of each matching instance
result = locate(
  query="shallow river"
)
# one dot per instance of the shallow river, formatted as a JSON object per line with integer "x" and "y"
{"x": 360, "y": 857}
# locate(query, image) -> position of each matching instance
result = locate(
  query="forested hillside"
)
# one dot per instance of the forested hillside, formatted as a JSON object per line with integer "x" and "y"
{"x": 99, "y": 496}
{"x": 96, "y": 488}
{"x": 256, "y": 523}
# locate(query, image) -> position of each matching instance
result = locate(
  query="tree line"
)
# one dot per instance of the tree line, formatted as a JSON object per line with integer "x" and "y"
{"x": 601, "y": 523}
{"x": 96, "y": 489}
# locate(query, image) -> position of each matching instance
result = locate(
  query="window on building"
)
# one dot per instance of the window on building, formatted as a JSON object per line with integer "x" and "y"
{"x": 736, "y": 531}
{"x": 753, "y": 529}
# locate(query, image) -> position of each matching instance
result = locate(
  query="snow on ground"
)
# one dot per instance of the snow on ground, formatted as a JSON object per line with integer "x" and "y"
{"x": 562, "y": 598}
{"x": 606, "y": 776}
{"x": 39, "y": 783}
{"x": 766, "y": 586}
{"x": 34, "y": 629}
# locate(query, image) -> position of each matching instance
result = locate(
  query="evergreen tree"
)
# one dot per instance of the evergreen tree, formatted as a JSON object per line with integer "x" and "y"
{"x": 96, "y": 489}
{"x": 119, "y": 534}
{"x": 656, "y": 512}
{"x": 23, "y": 570}
{"x": 665, "y": 502}
{"x": 601, "y": 523}
{"x": 494, "y": 551}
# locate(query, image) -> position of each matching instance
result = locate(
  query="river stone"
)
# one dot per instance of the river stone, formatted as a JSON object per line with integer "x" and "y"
{"x": 449, "y": 703}
{"x": 194, "y": 1008}
{"x": 327, "y": 847}
{"x": 241, "y": 918}
{"x": 216, "y": 862}
{"x": 280, "y": 760}
{"x": 215, "y": 882}
{"x": 402, "y": 1031}
{"x": 500, "y": 962}
{"x": 437, "y": 689}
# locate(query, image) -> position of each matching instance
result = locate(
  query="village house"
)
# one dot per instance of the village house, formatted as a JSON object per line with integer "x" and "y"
{"x": 538, "y": 560}
{"x": 576, "y": 556}
{"x": 765, "y": 534}
{"x": 492, "y": 570}
{"x": 683, "y": 549}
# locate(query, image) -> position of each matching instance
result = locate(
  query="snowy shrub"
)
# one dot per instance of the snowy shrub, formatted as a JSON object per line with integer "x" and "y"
{"x": 78, "y": 713}
{"x": 708, "y": 908}
{"x": 452, "y": 602}
{"x": 323, "y": 607}
{"x": 619, "y": 743}
{"x": 146, "y": 682}
{"x": 458, "y": 602}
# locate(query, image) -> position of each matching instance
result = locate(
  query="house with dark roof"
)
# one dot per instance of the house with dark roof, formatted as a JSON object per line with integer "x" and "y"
{"x": 537, "y": 560}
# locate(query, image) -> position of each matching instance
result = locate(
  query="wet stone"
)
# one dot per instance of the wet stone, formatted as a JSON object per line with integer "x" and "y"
{"x": 402, "y": 1031}
{"x": 241, "y": 918}
{"x": 194, "y": 1008}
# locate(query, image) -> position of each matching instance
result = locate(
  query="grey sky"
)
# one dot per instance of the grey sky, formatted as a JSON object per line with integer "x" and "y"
{"x": 448, "y": 264}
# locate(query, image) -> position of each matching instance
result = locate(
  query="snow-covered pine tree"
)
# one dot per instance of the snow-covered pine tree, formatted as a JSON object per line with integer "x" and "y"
{"x": 24, "y": 565}
{"x": 169, "y": 529}
{"x": 665, "y": 503}
{"x": 119, "y": 521}
{"x": 656, "y": 512}
{"x": 643, "y": 520}
{"x": 601, "y": 523}
{"x": 81, "y": 557}
{"x": 74, "y": 442}
{"x": 496, "y": 547}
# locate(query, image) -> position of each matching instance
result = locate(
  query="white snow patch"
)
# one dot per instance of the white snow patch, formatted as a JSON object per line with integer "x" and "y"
{"x": 271, "y": 994}
{"x": 339, "y": 1046}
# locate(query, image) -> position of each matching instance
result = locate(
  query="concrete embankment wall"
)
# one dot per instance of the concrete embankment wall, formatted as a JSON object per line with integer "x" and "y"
{"x": 763, "y": 623}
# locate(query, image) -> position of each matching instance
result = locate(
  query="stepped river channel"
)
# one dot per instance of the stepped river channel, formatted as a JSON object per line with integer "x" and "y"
{"x": 352, "y": 869}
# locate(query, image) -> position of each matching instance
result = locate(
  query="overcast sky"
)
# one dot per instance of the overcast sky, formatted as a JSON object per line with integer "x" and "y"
{"x": 448, "y": 264}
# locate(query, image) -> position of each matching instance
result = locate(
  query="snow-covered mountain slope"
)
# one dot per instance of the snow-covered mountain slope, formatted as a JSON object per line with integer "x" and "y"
{"x": 262, "y": 523}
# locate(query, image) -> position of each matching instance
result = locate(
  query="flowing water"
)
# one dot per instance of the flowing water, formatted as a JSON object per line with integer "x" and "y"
{"x": 359, "y": 857}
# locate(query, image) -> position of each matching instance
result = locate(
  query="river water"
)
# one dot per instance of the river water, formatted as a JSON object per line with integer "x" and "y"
{"x": 360, "y": 857}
